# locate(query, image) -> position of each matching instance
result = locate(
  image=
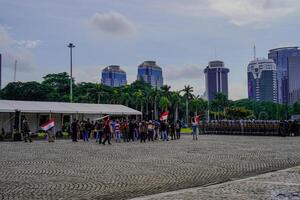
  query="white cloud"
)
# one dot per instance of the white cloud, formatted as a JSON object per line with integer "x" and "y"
{"x": 241, "y": 12}
{"x": 111, "y": 23}
{"x": 29, "y": 44}
{"x": 237, "y": 12}
{"x": 183, "y": 72}
{"x": 10, "y": 54}
{"x": 87, "y": 74}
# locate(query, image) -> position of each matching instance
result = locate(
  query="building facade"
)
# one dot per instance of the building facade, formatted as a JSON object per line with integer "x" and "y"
{"x": 281, "y": 57}
{"x": 216, "y": 77}
{"x": 113, "y": 76}
{"x": 293, "y": 79}
{"x": 262, "y": 80}
{"x": 151, "y": 73}
{"x": 0, "y": 71}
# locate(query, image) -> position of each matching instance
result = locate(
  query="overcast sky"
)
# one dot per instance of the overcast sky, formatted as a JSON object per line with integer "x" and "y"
{"x": 181, "y": 35}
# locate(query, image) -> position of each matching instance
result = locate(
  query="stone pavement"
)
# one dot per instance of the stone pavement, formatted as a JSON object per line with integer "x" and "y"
{"x": 66, "y": 170}
{"x": 279, "y": 185}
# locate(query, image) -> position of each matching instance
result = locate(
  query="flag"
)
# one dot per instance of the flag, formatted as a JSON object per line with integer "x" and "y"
{"x": 164, "y": 116}
{"x": 197, "y": 119}
{"x": 48, "y": 125}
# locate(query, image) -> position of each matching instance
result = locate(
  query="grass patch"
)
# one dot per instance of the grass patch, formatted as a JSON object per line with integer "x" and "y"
{"x": 186, "y": 130}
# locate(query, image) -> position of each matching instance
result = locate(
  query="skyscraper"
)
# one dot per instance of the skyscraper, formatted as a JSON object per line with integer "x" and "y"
{"x": 293, "y": 79}
{"x": 0, "y": 71}
{"x": 280, "y": 57}
{"x": 151, "y": 73}
{"x": 216, "y": 77}
{"x": 262, "y": 80}
{"x": 113, "y": 76}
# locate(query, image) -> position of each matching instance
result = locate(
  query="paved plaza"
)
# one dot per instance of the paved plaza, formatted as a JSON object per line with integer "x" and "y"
{"x": 66, "y": 170}
{"x": 278, "y": 185}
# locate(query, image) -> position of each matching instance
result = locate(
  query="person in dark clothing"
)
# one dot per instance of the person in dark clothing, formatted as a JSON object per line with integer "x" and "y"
{"x": 172, "y": 131}
{"x": 178, "y": 129}
{"x": 143, "y": 131}
{"x": 107, "y": 132}
{"x": 131, "y": 130}
{"x": 74, "y": 129}
{"x": 163, "y": 129}
{"x": 26, "y": 131}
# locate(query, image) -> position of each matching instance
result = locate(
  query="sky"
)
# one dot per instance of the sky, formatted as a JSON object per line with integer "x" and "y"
{"x": 182, "y": 36}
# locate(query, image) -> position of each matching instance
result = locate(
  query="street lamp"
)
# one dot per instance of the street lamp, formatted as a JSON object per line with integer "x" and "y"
{"x": 71, "y": 46}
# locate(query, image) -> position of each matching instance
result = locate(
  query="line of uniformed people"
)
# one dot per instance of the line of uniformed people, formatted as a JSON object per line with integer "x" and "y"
{"x": 251, "y": 127}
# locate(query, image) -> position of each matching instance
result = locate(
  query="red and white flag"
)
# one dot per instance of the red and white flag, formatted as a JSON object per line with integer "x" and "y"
{"x": 48, "y": 125}
{"x": 164, "y": 116}
{"x": 197, "y": 119}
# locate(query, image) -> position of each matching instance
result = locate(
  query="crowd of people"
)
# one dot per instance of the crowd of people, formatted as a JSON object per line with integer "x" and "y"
{"x": 105, "y": 130}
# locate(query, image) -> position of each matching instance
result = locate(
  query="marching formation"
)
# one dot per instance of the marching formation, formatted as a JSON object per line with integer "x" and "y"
{"x": 251, "y": 127}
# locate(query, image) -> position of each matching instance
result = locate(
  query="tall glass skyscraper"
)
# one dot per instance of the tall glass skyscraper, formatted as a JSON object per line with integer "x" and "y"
{"x": 294, "y": 79}
{"x": 280, "y": 57}
{"x": 216, "y": 77}
{"x": 151, "y": 73}
{"x": 262, "y": 80}
{"x": 113, "y": 76}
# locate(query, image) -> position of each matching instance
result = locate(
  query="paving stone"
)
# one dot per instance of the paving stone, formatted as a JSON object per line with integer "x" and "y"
{"x": 66, "y": 170}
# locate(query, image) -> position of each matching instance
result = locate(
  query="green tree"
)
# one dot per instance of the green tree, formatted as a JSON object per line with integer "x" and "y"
{"x": 188, "y": 96}
{"x": 164, "y": 103}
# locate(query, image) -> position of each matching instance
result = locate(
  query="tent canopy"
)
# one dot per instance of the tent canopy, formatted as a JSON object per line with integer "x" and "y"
{"x": 66, "y": 108}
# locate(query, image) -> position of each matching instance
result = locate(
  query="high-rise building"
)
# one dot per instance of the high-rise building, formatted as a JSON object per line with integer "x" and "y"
{"x": 294, "y": 79}
{"x": 0, "y": 71}
{"x": 280, "y": 57}
{"x": 113, "y": 76}
{"x": 151, "y": 73}
{"x": 262, "y": 80}
{"x": 216, "y": 77}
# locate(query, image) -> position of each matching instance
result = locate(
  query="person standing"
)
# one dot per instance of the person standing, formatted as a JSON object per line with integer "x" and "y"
{"x": 107, "y": 132}
{"x": 163, "y": 130}
{"x": 150, "y": 131}
{"x": 85, "y": 131}
{"x": 131, "y": 130}
{"x": 178, "y": 129}
{"x": 26, "y": 130}
{"x": 118, "y": 131}
{"x": 195, "y": 130}
{"x": 74, "y": 129}
{"x": 50, "y": 134}
{"x": 101, "y": 130}
{"x": 172, "y": 131}
{"x": 143, "y": 131}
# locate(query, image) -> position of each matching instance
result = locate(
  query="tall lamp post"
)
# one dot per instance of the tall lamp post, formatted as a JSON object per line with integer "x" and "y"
{"x": 71, "y": 46}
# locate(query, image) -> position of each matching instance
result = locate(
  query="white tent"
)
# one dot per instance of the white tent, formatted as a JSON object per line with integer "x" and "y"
{"x": 35, "y": 110}
{"x": 65, "y": 108}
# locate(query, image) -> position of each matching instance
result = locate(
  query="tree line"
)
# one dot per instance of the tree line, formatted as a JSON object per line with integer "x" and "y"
{"x": 182, "y": 104}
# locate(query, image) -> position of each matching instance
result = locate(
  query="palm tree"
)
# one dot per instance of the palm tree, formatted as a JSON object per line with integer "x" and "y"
{"x": 176, "y": 99}
{"x": 164, "y": 103}
{"x": 99, "y": 90}
{"x": 188, "y": 95}
{"x": 154, "y": 96}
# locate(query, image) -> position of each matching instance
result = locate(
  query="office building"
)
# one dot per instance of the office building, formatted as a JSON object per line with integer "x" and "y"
{"x": 280, "y": 57}
{"x": 216, "y": 77}
{"x": 262, "y": 80}
{"x": 0, "y": 71}
{"x": 113, "y": 76}
{"x": 151, "y": 73}
{"x": 293, "y": 79}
